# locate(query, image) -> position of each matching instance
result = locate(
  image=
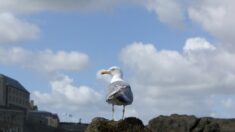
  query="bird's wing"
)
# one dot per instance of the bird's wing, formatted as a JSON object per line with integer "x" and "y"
{"x": 121, "y": 91}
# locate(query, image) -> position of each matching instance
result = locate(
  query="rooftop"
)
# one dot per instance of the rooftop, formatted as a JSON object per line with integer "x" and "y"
{"x": 43, "y": 113}
{"x": 13, "y": 82}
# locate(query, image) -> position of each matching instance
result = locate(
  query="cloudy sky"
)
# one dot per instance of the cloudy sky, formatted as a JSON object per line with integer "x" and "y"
{"x": 178, "y": 55}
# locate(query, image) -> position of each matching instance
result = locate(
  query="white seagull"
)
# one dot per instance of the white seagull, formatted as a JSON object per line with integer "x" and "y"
{"x": 119, "y": 91}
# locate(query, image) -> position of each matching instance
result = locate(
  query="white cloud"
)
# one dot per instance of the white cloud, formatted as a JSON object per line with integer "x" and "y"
{"x": 64, "y": 93}
{"x": 13, "y": 29}
{"x": 166, "y": 79}
{"x": 65, "y": 97}
{"x": 168, "y": 11}
{"x": 15, "y": 55}
{"x": 50, "y": 61}
{"x": 45, "y": 61}
{"x": 195, "y": 44}
{"x": 216, "y": 17}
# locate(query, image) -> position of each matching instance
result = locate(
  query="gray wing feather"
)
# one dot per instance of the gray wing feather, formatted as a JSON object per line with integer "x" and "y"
{"x": 119, "y": 93}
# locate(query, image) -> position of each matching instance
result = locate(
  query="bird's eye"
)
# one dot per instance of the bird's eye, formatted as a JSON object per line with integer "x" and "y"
{"x": 112, "y": 69}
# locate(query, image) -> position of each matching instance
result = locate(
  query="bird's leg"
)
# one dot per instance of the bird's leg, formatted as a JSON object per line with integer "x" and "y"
{"x": 123, "y": 112}
{"x": 112, "y": 112}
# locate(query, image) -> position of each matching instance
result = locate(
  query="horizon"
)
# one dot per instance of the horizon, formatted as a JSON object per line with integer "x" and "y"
{"x": 177, "y": 55}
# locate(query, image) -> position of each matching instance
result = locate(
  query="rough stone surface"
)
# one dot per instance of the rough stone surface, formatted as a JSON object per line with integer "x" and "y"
{"x": 174, "y": 123}
{"x": 185, "y": 123}
{"x": 130, "y": 124}
{"x": 206, "y": 125}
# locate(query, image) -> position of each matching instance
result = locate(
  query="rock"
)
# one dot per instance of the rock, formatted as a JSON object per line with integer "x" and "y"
{"x": 185, "y": 123}
{"x": 226, "y": 125}
{"x": 206, "y": 125}
{"x": 130, "y": 124}
{"x": 173, "y": 123}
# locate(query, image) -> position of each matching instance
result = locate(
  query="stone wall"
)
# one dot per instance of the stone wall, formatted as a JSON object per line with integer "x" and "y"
{"x": 11, "y": 120}
{"x": 2, "y": 91}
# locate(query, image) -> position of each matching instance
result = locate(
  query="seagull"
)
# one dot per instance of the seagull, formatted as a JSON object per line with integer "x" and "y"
{"x": 119, "y": 91}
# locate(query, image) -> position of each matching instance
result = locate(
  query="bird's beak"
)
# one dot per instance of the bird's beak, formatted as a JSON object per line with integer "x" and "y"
{"x": 105, "y": 72}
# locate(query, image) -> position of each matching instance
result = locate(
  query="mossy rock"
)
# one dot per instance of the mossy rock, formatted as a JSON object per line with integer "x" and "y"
{"x": 130, "y": 124}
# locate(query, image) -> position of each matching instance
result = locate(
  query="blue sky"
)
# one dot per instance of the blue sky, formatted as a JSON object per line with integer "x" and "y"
{"x": 56, "y": 49}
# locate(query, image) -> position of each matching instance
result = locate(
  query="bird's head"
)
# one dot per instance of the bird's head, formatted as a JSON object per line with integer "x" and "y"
{"x": 113, "y": 71}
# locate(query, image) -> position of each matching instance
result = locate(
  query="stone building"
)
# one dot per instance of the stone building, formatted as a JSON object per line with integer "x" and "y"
{"x": 12, "y": 94}
{"x": 32, "y": 106}
{"x": 73, "y": 127}
{"x": 14, "y": 104}
{"x": 43, "y": 118}
{"x": 11, "y": 120}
